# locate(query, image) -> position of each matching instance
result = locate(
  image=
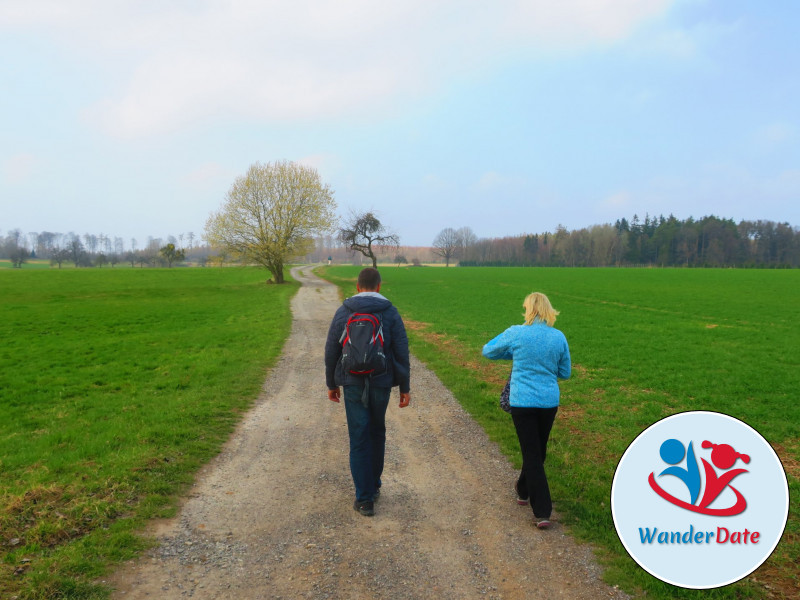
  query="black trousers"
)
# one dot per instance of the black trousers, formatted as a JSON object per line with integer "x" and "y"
{"x": 533, "y": 427}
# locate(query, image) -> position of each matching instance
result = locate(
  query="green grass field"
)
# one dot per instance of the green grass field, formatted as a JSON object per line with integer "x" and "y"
{"x": 645, "y": 343}
{"x": 30, "y": 264}
{"x": 116, "y": 385}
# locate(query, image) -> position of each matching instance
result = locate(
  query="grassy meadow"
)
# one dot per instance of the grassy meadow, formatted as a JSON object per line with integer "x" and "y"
{"x": 115, "y": 386}
{"x": 30, "y": 264}
{"x": 645, "y": 344}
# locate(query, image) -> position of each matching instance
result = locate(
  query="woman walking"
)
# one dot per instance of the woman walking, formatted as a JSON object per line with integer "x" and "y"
{"x": 540, "y": 355}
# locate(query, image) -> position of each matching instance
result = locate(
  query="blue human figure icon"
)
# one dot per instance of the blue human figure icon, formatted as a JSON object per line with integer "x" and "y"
{"x": 672, "y": 452}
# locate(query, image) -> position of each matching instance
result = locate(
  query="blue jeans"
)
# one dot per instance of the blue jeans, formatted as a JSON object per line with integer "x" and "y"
{"x": 367, "y": 428}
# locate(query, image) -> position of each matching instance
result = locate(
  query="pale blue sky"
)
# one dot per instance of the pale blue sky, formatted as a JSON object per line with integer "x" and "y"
{"x": 133, "y": 118}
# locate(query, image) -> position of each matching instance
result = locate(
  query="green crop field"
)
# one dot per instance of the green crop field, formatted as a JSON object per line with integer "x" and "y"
{"x": 115, "y": 386}
{"x": 30, "y": 264}
{"x": 645, "y": 343}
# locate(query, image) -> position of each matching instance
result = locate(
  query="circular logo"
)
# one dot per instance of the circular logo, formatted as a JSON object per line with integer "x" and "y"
{"x": 699, "y": 500}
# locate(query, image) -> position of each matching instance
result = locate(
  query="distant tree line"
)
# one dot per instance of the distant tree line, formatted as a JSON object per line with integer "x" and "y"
{"x": 669, "y": 242}
{"x": 92, "y": 250}
{"x": 666, "y": 242}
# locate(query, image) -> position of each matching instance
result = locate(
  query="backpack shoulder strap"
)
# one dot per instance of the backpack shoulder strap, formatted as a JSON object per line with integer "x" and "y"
{"x": 344, "y": 329}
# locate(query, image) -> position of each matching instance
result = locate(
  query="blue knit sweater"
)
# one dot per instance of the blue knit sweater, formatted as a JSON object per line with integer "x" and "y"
{"x": 541, "y": 357}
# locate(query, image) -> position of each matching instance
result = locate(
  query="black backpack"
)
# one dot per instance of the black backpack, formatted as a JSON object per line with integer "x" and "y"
{"x": 362, "y": 345}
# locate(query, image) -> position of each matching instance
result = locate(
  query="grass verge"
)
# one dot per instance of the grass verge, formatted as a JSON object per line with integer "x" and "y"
{"x": 116, "y": 387}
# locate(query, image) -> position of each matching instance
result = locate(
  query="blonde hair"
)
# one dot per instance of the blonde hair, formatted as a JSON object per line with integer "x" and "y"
{"x": 538, "y": 308}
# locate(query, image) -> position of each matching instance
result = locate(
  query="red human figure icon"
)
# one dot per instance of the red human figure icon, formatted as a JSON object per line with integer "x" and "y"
{"x": 724, "y": 457}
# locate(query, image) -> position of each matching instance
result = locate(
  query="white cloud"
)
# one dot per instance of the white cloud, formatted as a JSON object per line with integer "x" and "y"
{"x": 579, "y": 22}
{"x": 181, "y": 63}
{"x": 23, "y": 12}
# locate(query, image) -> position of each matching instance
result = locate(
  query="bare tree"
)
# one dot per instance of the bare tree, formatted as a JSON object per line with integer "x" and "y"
{"x": 60, "y": 256}
{"x": 130, "y": 257}
{"x": 447, "y": 244}
{"x": 151, "y": 253}
{"x": 91, "y": 242}
{"x": 18, "y": 256}
{"x": 14, "y": 238}
{"x": 77, "y": 254}
{"x": 46, "y": 244}
{"x": 468, "y": 240}
{"x": 364, "y": 233}
{"x": 34, "y": 237}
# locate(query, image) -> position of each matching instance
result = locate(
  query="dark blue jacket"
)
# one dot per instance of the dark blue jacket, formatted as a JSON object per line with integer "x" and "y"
{"x": 395, "y": 344}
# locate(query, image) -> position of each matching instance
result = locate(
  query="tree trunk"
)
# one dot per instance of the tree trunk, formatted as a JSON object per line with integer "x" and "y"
{"x": 277, "y": 272}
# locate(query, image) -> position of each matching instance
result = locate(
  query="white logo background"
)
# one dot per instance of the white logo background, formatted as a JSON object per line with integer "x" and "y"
{"x": 635, "y": 506}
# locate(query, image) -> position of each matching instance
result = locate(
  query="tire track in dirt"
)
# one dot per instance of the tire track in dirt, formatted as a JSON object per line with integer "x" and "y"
{"x": 271, "y": 517}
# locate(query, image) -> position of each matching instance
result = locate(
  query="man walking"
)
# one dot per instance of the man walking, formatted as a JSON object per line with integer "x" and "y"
{"x": 366, "y": 397}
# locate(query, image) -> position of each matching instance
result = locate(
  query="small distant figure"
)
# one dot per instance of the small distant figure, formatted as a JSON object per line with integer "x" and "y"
{"x": 330, "y": 258}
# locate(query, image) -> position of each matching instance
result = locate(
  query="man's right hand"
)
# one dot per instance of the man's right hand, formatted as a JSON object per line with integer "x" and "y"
{"x": 405, "y": 399}
{"x": 333, "y": 395}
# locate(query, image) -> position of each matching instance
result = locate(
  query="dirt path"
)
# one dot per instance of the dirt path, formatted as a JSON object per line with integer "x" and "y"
{"x": 272, "y": 517}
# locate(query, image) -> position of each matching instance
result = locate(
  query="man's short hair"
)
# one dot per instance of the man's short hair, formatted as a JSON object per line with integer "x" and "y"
{"x": 369, "y": 279}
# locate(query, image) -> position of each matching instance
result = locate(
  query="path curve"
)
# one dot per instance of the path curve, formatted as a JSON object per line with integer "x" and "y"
{"x": 272, "y": 516}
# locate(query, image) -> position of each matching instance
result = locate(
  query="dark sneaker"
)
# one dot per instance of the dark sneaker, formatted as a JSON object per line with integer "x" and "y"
{"x": 365, "y": 508}
{"x": 520, "y": 500}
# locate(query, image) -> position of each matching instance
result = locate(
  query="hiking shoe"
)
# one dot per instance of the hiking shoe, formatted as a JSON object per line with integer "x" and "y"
{"x": 365, "y": 508}
{"x": 520, "y": 500}
{"x": 543, "y": 523}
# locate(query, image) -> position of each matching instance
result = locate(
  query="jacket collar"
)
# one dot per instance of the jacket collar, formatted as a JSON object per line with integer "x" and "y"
{"x": 371, "y": 295}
